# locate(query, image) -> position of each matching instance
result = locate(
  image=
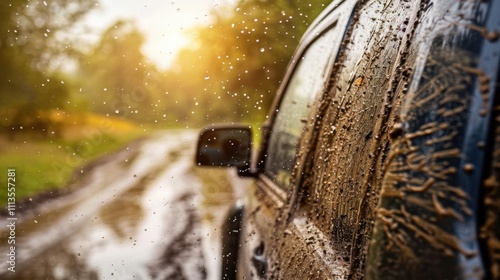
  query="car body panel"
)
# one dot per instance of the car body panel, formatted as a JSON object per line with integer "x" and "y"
{"x": 267, "y": 202}
{"x": 432, "y": 183}
{"x": 396, "y": 172}
{"x": 372, "y": 90}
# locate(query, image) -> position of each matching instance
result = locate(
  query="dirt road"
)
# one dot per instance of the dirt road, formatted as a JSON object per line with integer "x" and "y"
{"x": 143, "y": 213}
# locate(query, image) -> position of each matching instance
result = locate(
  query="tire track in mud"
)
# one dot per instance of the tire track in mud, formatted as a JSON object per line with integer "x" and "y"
{"x": 171, "y": 264}
{"x": 141, "y": 221}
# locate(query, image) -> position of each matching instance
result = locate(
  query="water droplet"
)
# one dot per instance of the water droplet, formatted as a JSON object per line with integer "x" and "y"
{"x": 262, "y": 50}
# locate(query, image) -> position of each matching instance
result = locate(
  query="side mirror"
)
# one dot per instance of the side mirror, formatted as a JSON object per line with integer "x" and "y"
{"x": 225, "y": 145}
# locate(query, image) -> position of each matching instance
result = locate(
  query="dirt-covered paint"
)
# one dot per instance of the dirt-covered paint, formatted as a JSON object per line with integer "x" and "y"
{"x": 346, "y": 145}
{"x": 384, "y": 172}
{"x": 427, "y": 206}
{"x": 490, "y": 229}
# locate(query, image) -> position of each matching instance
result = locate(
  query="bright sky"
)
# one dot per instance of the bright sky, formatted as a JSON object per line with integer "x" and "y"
{"x": 164, "y": 22}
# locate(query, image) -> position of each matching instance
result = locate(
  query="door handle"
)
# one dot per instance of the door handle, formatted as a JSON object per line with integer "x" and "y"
{"x": 259, "y": 260}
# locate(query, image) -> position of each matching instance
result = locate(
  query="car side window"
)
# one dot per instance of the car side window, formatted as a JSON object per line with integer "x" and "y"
{"x": 304, "y": 88}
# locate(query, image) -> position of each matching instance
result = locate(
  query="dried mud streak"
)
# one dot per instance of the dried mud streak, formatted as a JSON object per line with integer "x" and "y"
{"x": 419, "y": 168}
{"x": 352, "y": 221}
{"x": 434, "y": 172}
{"x": 280, "y": 250}
{"x": 318, "y": 263}
{"x": 397, "y": 87}
{"x": 490, "y": 230}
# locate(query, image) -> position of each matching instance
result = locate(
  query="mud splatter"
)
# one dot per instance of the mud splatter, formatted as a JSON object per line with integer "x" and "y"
{"x": 490, "y": 230}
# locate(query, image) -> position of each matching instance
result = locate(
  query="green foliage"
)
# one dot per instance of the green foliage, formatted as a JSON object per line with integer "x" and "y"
{"x": 117, "y": 77}
{"x": 230, "y": 73}
{"x": 41, "y": 28}
{"x": 234, "y": 69}
{"x": 30, "y": 47}
{"x": 50, "y": 164}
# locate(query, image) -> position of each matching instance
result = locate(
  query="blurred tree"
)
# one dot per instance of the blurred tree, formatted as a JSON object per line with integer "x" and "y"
{"x": 235, "y": 67}
{"x": 44, "y": 27}
{"x": 31, "y": 44}
{"x": 117, "y": 74}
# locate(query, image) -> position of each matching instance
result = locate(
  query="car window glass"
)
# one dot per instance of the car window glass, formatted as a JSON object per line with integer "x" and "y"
{"x": 304, "y": 87}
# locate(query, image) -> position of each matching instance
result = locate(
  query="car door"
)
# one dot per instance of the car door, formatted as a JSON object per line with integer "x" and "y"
{"x": 326, "y": 230}
{"x": 436, "y": 218}
{"x": 307, "y": 79}
{"x": 399, "y": 142}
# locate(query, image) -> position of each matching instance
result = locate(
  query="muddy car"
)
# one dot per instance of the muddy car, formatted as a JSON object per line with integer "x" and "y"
{"x": 381, "y": 156}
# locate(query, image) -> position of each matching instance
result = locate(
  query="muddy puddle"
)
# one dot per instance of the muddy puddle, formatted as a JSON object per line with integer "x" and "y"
{"x": 146, "y": 214}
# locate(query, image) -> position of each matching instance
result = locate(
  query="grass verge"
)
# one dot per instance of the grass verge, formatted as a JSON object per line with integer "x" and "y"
{"x": 46, "y": 163}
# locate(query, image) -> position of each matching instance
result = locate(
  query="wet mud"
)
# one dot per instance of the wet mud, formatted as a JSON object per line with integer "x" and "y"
{"x": 385, "y": 175}
{"x": 139, "y": 214}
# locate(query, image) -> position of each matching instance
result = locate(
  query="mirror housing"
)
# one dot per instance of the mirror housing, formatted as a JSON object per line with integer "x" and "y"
{"x": 225, "y": 145}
